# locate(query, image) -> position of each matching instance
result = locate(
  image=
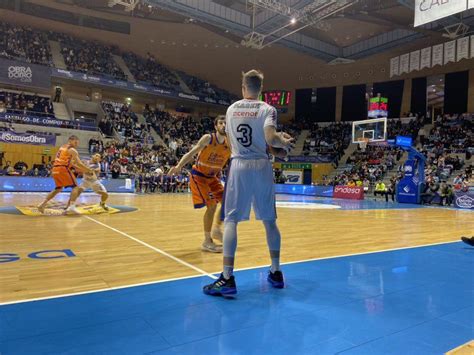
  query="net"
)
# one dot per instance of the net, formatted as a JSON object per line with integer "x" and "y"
{"x": 363, "y": 143}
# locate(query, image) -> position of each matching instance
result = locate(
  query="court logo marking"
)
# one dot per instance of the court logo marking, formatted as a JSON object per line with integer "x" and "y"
{"x": 43, "y": 255}
{"x": 58, "y": 209}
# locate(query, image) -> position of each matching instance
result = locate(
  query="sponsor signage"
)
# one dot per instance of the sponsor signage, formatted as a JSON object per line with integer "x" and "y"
{"x": 24, "y": 74}
{"x": 40, "y": 184}
{"x": 349, "y": 193}
{"x": 431, "y": 10}
{"x": 326, "y": 158}
{"x": 45, "y": 121}
{"x": 302, "y": 166}
{"x": 20, "y": 73}
{"x": 293, "y": 176}
{"x": 464, "y": 199}
{"x": 27, "y": 138}
{"x": 403, "y": 141}
{"x": 142, "y": 87}
{"x": 307, "y": 190}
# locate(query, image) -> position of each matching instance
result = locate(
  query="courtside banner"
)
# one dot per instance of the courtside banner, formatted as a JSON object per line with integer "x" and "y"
{"x": 27, "y": 138}
{"x": 45, "y": 121}
{"x": 464, "y": 199}
{"x": 431, "y": 10}
{"x": 349, "y": 193}
{"x": 18, "y": 73}
{"x": 42, "y": 184}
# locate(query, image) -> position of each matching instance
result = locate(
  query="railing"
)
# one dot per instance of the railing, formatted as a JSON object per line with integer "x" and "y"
{"x": 45, "y": 120}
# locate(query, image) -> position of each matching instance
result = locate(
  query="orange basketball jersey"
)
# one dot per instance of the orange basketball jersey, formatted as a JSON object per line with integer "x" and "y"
{"x": 63, "y": 157}
{"x": 213, "y": 157}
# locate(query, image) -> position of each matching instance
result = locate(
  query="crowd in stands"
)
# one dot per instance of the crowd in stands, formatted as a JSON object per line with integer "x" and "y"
{"x": 447, "y": 148}
{"x": 451, "y": 133}
{"x": 121, "y": 119}
{"x": 367, "y": 167}
{"x": 88, "y": 56}
{"x": 96, "y": 58}
{"x": 24, "y": 43}
{"x": 205, "y": 88}
{"x": 395, "y": 127}
{"x": 332, "y": 139}
{"x": 21, "y": 168}
{"x": 14, "y": 102}
{"x": 178, "y": 133}
{"x": 150, "y": 71}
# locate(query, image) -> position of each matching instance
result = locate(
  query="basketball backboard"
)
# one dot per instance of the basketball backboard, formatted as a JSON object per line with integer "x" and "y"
{"x": 373, "y": 130}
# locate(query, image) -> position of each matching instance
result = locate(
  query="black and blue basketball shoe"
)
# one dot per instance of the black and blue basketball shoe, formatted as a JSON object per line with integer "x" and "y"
{"x": 276, "y": 279}
{"x": 221, "y": 287}
{"x": 468, "y": 241}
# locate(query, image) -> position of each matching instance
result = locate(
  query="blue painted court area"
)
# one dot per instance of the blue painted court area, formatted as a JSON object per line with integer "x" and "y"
{"x": 411, "y": 301}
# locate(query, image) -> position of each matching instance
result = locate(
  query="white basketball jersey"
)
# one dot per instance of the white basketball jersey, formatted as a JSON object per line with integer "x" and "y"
{"x": 245, "y": 122}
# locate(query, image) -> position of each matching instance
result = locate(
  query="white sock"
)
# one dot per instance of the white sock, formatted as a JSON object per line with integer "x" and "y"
{"x": 274, "y": 243}
{"x": 228, "y": 271}
{"x": 275, "y": 264}
{"x": 229, "y": 245}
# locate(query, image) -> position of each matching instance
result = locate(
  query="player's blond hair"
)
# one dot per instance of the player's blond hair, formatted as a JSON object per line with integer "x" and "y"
{"x": 253, "y": 81}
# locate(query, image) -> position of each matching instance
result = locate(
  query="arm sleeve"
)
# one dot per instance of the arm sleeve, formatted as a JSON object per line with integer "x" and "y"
{"x": 271, "y": 117}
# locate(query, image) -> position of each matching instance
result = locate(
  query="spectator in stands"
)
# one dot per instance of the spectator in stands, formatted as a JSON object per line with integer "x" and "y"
{"x": 430, "y": 192}
{"x": 446, "y": 193}
{"x": 380, "y": 189}
{"x": 391, "y": 189}
{"x": 351, "y": 183}
{"x": 57, "y": 94}
{"x": 366, "y": 185}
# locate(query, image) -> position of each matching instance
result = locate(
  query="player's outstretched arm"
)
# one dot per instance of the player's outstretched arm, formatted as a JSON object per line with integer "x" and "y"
{"x": 189, "y": 156}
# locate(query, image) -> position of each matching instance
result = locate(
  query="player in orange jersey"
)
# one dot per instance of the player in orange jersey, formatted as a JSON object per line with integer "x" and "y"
{"x": 66, "y": 158}
{"x": 206, "y": 187}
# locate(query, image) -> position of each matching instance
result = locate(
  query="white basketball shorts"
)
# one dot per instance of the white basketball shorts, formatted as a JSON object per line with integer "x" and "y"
{"x": 249, "y": 184}
{"x": 94, "y": 185}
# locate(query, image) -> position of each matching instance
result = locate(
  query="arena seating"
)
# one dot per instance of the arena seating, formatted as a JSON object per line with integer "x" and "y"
{"x": 204, "y": 88}
{"x": 19, "y": 102}
{"x": 88, "y": 57}
{"x": 150, "y": 71}
{"x": 124, "y": 121}
{"x": 328, "y": 140}
{"x": 95, "y": 58}
{"x": 24, "y": 43}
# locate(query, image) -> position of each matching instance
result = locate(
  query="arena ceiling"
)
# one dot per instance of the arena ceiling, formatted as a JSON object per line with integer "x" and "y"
{"x": 331, "y": 30}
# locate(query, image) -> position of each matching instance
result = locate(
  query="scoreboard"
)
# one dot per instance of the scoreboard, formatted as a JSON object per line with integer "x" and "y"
{"x": 378, "y": 107}
{"x": 277, "y": 98}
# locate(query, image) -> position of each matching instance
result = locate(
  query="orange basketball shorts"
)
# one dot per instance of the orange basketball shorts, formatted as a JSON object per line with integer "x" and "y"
{"x": 206, "y": 191}
{"x": 63, "y": 177}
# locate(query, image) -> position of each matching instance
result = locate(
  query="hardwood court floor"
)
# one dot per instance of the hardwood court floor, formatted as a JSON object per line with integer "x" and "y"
{"x": 128, "y": 248}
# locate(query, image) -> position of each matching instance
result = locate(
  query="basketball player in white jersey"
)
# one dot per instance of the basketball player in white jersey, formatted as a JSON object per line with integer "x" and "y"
{"x": 91, "y": 181}
{"x": 251, "y": 130}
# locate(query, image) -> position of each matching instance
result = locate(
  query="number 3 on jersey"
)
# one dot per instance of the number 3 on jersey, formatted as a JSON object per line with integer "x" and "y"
{"x": 246, "y": 138}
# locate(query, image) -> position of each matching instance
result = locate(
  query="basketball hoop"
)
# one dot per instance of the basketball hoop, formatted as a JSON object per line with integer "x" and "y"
{"x": 363, "y": 143}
